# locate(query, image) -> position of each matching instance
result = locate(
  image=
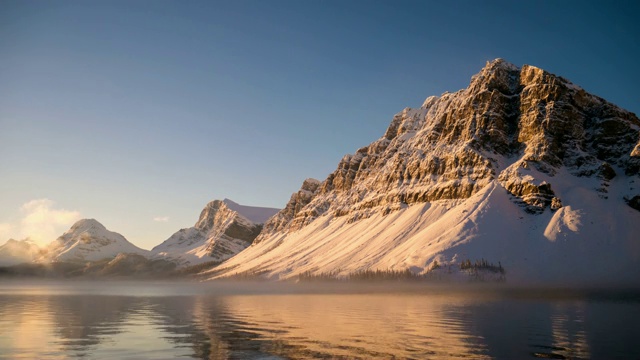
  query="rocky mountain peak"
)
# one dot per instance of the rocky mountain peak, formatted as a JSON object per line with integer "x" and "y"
{"x": 507, "y": 121}
{"x": 208, "y": 214}
{"x": 223, "y": 229}
{"x": 522, "y": 167}
{"x": 497, "y": 75}
{"x": 298, "y": 201}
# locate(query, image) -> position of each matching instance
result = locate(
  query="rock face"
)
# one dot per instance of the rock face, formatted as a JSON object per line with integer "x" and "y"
{"x": 543, "y": 141}
{"x": 88, "y": 240}
{"x": 16, "y": 252}
{"x": 282, "y": 220}
{"x": 223, "y": 229}
{"x": 452, "y": 146}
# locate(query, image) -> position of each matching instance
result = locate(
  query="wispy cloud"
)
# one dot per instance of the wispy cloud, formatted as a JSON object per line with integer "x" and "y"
{"x": 40, "y": 221}
{"x": 161, "y": 218}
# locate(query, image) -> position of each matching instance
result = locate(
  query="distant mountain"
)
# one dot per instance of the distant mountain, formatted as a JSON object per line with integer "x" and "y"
{"x": 224, "y": 229}
{"x": 255, "y": 214}
{"x": 88, "y": 240}
{"x": 16, "y": 252}
{"x": 522, "y": 169}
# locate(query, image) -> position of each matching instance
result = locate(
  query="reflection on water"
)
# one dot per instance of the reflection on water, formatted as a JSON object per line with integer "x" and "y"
{"x": 49, "y": 324}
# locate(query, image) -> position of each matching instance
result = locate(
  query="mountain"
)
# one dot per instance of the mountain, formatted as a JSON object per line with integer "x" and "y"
{"x": 224, "y": 229}
{"x": 88, "y": 240}
{"x": 255, "y": 214}
{"x": 16, "y": 252}
{"x": 522, "y": 169}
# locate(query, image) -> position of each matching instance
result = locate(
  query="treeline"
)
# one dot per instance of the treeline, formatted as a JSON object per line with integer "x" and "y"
{"x": 362, "y": 275}
{"x": 195, "y": 269}
{"x": 482, "y": 265}
{"x": 476, "y": 271}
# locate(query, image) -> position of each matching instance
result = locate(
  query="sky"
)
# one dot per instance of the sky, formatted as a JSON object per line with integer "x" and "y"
{"x": 138, "y": 113}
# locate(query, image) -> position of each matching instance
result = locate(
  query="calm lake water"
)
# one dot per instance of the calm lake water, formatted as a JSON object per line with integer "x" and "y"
{"x": 250, "y": 321}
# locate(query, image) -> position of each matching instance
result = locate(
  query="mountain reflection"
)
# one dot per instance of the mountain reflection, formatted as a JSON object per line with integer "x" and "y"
{"x": 306, "y": 326}
{"x": 381, "y": 326}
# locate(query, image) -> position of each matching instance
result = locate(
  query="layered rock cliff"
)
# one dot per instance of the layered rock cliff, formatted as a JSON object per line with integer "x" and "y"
{"x": 556, "y": 153}
{"x": 508, "y": 121}
{"x": 299, "y": 200}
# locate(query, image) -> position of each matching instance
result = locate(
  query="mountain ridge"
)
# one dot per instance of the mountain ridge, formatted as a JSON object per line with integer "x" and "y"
{"x": 88, "y": 240}
{"x": 223, "y": 229}
{"x": 521, "y": 131}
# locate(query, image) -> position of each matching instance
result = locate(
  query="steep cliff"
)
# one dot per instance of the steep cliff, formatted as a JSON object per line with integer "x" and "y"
{"x": 556, "y": 154}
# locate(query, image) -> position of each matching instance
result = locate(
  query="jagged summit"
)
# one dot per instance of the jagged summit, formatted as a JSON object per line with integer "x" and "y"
{"x": 223, "y": 229}
{"x": 296, "y": 203}
{"x": 207, "y": 215}
{"x": 518, "y": 139}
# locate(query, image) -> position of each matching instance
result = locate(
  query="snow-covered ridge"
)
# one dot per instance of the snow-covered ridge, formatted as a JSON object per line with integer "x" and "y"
{"x": 223, "y": 229}
{"x": 519, "y": 144}
{"x": 89, "y": 240}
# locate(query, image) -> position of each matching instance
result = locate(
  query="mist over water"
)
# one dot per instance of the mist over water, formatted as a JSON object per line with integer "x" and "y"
{"x": 132, "y": 320}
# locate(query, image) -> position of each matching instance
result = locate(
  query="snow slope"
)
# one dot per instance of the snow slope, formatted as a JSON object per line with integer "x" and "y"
{"x": 88, "y": 240}
{"x": 585, "y": 241}
{"x": 522, "y": 169}
{"x": 224, "y": 229}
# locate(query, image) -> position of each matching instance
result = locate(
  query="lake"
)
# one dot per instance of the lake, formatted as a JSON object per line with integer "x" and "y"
{"x": 154, "y": 320}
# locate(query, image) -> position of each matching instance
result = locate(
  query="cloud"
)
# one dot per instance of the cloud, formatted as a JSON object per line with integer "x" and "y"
{"x": 161, "y": 218}
{"x": 40, "y": 221}
{"x": 6, "y": 230}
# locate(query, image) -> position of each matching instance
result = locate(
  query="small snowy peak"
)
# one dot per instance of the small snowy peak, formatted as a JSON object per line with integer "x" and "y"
{"x": 223, "y": 229}
{"x": 89, "y": 240}
{"x": 16, "y": 252}
{"x": 258, "y": 215}
{"x": 87, "y": 225}
{"x": 500, "y": 63}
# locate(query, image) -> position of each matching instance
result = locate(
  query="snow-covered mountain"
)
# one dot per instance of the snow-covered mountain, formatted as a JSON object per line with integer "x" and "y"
{"x": 224, "y": 229}
{"x": 522, "y": 168}
{"x": 88, "y": 240}
{"x": 16, "y": 252}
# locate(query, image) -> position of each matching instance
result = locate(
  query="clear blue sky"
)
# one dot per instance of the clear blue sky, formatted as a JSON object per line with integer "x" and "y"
{"x": 126, "y": 111}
